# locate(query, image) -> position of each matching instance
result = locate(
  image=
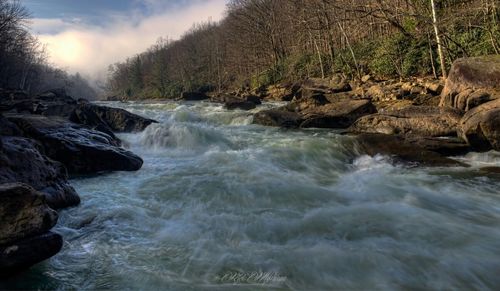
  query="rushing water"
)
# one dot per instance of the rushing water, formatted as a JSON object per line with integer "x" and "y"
{"x": 224, "y": 204}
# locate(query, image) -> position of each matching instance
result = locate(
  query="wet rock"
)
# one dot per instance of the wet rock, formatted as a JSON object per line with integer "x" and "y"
{"x": 278, "y": 117}
{"x": 336, "y": 115}
{"x": 480, "y": 127}
{"x": 401, "y": 151}
{"x": 109, "y": 119}
{"x": 80, "y": 149}
{"x": 254, "y": 99}
{"x": 239, "y": 104}
{"x": 25, "y": 221}
{"x": 21, "y": 160}
{"x": 426, "y": 121}
{"x": 22, "y": 254}
{"x": 193, "y": 96}
{"x": 23, "y": 213}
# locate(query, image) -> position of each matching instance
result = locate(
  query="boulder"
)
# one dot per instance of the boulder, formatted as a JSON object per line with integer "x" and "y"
{"x": 22, "y": 254}
{"x": 401, "y": 151}
{"x": 281, "y": 92}
{"x": 23, "y": 213}
{"x": 193, "y": 96}
{"x": 336, "y": 115}
{"x": 239, "y": 104}
{"x": 25, "y": 221}
{"x": 80, "y": 149}
{"x": 254, "y": 99}
{"x": 472, "y": 74}
{"x": 278, "y": 117}
{"x": 423, "y": 121}
{"x": 480, "y": 127}
{"x": 21, "y": 160}
{"x": 109, "y": 119}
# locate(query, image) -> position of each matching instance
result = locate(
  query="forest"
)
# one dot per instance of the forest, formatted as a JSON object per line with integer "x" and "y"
{"x": 263, "y": 42}
{"x": 24, "y": 61}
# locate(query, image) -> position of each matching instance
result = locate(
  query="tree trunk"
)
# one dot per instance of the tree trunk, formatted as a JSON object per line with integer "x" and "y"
{"x": 438, "y": 40}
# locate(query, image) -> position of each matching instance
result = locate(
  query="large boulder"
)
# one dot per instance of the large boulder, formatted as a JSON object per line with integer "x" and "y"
{"x": 423, "y": 121}
{"x": 114, "y": 119}
{"x": 80, "y": 149}
{"x": 25, "y": 221}
{"x": 401, "y": 150}
{"x": 22, "y": 254}
{"x": 23, "y": 213}
{"x": 337, "y": 115}
{"x": 469, "y": 75}
{"x": 21, "y": 160}
{"x": 480, "y": 127}
{"x": 278, "y": 118}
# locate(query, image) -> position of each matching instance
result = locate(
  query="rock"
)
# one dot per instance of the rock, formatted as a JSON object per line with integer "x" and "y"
{"x": 21, "y": 160}
{"x": 334, "y": 85}
{"x": 377, "y": 93}
{"x": 401, "y": 151}
{"x": 480, "y": 127}
{"x": 239, "y": 104}
{"x": 254, "y": 99}
{"x": 281, "y": 92}
{"x": 449, "y": 146}
{"x": 114, "y": 119}
{"x": 25, "y": 221}
{"x": 278, "y": 117}
{"x": 434, "y": 88}
{"x": 193, "y": 96}
{"x": 8, "y": 128}
{"x": 25, "y": 253}
{"x": 336, "y": 115}
{"x": 472, "y": 74}
{"x": 23, "y": 213}
{"x": 426, "y": 121}
{"x": 366, "y": 78}
{"x": 80, "y": 149}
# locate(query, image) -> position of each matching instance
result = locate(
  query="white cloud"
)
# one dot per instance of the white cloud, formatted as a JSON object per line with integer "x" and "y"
{"x": 87, "y": 49}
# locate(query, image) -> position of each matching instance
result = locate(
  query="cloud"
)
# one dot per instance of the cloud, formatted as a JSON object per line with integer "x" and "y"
{"x": 81, "y": 47}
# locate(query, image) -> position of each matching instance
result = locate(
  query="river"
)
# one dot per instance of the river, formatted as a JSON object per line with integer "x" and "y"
{"x": 221, "y": 204}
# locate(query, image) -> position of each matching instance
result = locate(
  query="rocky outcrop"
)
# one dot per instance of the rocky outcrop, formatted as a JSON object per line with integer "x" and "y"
{"x": 108, "y": 118}
{"x": 422, "y": 121}
{"x": 102, "y": 118}
{"x": 25, "y": 221}
{"x": 480, "y": 127}
{"x": 80, "y": 149}
{"x": 472, "y": 82}
{"x": 401, "y": 150}
{"x": 21, "y": 160}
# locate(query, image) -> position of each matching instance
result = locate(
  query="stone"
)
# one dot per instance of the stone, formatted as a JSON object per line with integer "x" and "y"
{"x": 193, "y": 96}
{"x": 401, "y": 151}
{"x": 480, "y": 127}
{"x": 472, "y": 74}
{"x": 25, "y": 253}
{"x": 336, "y": 115}
{"x": 278, "y": 117}
{"x": 423, "y": 121}
{"x": 114, "y": 119}
{"x": 23, "y": 213}
{"x": 22, "y": 160}
{"x": 81, "y": 149}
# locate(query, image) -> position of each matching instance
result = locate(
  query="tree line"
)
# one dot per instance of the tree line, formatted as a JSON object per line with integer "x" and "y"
{"x": 261, "y": 42}
{"x": 23, "y": 59}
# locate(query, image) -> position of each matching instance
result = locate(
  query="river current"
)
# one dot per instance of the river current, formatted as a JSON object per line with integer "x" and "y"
{"x": 222, "y": 204}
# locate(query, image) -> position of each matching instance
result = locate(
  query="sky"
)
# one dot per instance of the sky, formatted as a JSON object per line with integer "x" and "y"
{"x": 87, "y": 35}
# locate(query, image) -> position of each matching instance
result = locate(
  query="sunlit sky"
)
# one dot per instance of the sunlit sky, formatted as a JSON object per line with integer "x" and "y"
{"x": 87, "y": 35}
